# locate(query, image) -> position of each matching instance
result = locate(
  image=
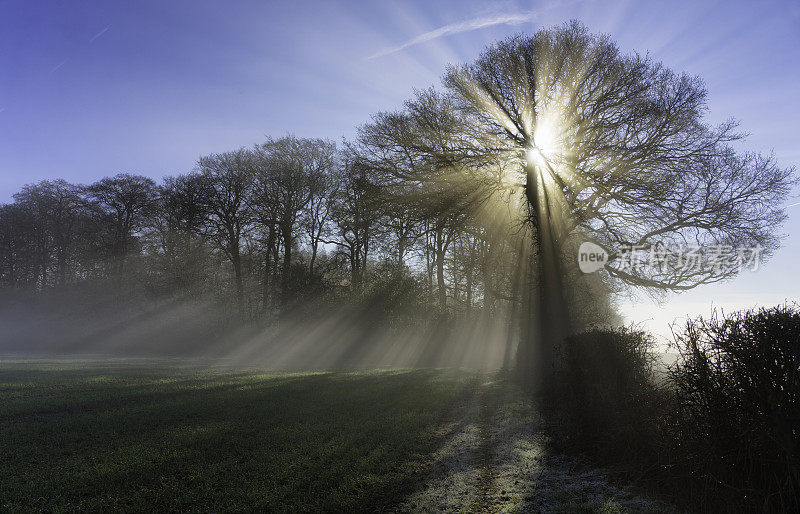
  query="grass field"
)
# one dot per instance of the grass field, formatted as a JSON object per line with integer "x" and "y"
{"x": 109, "y": 435}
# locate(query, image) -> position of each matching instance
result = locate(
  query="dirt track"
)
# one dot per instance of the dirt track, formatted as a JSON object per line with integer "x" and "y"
{"x": 495, "y": 458}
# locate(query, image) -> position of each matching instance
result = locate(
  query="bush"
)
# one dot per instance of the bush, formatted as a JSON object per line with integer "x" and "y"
{"x": 605, "y": 397}
{"x": 737, "y": 427}
{"x": 721, "y": 434}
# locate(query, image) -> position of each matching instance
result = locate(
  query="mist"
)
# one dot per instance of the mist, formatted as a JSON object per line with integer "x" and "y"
{"x": 351, "y": 337}
{"x": 421, "y": 316}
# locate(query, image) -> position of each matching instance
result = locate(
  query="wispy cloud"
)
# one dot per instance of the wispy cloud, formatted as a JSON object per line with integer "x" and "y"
{"x": 100, "y": 33}
{"x": 456, "y": 28}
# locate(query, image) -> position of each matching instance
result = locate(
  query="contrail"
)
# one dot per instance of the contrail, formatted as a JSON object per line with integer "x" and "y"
{"x": 57, "y": 66}
{"x": 100, "y": 33}
{"x": 456, "y": 28}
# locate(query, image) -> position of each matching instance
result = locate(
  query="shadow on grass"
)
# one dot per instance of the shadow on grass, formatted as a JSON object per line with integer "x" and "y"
{"x": 138, "y": 438}
{"x": 499, "y": 459}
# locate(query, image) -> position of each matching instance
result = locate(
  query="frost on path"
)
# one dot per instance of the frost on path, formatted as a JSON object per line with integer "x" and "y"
{"x": 495, "y": 459}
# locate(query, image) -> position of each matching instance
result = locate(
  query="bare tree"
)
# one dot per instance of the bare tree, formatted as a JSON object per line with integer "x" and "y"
{"x": 17, "y": 259}
{"x": 295, "y": 180}
{"x": 321, "y": 165}
{"x": 52, "y": 209}
{"x": 265, "y": 203}
{"x": 404, "y": 227}
{"x": 177, "y": 233}
{"x": 227, "y": 184}
{"x": 578, "y": 136}
{"x": 123, "y": 201}
{"x": 355, "y": 216}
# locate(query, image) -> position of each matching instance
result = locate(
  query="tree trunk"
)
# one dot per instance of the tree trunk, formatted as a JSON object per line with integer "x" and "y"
{"x": 236, "y": 260}
{"x": 287, "y": 265}
{"x": 510, "y": 332}
{"x": 440, "y": 280}
{"x": 401, "y": 252}
{"x": 313, "y": 258}
{"x": 545, "y": 323}
{"x": 267, "y": 284}
{"x": 62, "y": 266}
{"x": 469, "y": 288}
{"x": 428, "y": 265}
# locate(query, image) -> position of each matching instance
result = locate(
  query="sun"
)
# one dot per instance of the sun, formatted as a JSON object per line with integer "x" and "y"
{"x": 545, "y": 145}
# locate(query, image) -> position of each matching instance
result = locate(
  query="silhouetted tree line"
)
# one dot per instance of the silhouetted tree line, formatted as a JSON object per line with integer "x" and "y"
{"x": 262, "y": 230}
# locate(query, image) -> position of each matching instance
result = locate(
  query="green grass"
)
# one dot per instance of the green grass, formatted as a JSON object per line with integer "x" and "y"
{"x": 111, "y": 435}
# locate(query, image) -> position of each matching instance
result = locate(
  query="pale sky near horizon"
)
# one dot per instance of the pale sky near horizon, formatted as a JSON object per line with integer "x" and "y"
{"x": 90, "y": 89}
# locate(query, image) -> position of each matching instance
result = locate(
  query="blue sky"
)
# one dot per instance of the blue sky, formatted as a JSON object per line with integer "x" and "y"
{"x": 89, "y": 89}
